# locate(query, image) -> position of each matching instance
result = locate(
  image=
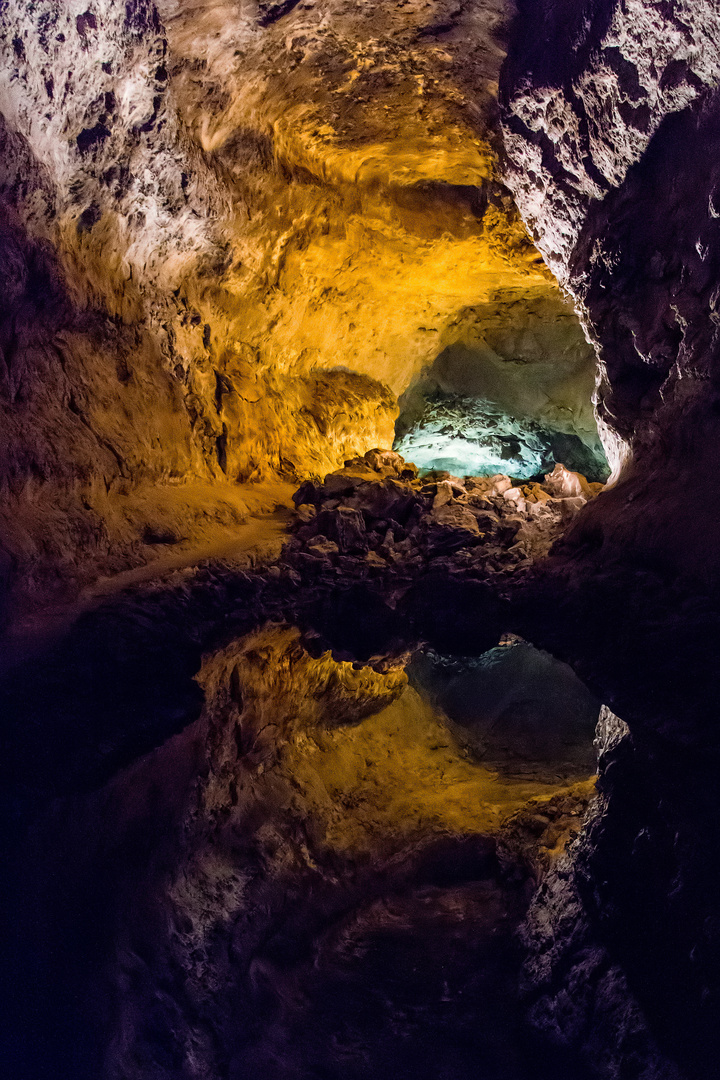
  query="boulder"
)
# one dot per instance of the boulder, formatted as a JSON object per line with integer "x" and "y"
{"x": 321, "y": 546}
{"x": 338, "y": 484}
{"x": 305, "y": 513}
{"x": 346, "y": 526}
{"x": 453, "y": 516}
{"x": 569, "y": 507}
{"x": 446, "y": 491}
{"x": 386, "y": 499}
{"x": 515, "y": 496}
{"x": 499, "y": 484}
{"x": 479, "y": 503}
{"x": 385, "y": 459}
{"x": 306, "y": 493}
{"x": 563, "y": 484}
{"x": 536, "y": 493}
{"x": 450, "y": 528}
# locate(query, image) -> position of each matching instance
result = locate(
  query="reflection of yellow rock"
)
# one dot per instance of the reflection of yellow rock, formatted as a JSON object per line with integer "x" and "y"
{"x": 400, "y": 774}
{"x": 368, "y": 760}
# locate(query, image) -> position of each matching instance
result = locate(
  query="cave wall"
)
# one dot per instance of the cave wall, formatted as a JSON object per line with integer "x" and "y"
{"x": 233, "y": 234}
{"x": 610, "y": 123}
{"x": 610, "y": 120}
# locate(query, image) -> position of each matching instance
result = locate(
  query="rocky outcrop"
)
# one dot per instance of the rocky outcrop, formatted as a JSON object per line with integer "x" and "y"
{"x": 523, "y": 351}
{"x": 609, "y": 119}
{"x": 577, "y": 992}
{"x": 393, "y": 531}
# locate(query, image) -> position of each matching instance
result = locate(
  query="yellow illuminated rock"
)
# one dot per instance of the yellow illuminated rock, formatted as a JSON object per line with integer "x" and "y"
{"x": 401, "y": 774}
{"x": 256, "y": 226}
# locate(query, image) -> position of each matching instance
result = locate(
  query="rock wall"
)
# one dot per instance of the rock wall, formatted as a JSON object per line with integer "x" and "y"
{"x": 610, "y": 117}
{"x": 610, "y": 120}
{"x": 232, "y": 234}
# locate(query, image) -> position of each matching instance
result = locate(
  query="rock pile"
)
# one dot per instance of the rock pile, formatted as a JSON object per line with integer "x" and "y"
{"x": 376, "y": 517}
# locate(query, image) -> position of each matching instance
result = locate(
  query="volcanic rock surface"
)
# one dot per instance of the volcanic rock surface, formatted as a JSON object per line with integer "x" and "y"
{"x": 236, "y": 240}
{"x": 232, "y": 235}
{"x": 609, "y": 115}
{"x": 609, "y": 120}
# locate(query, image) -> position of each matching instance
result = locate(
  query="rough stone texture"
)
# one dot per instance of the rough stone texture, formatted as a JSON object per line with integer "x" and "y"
{"x": 409, "y": 525}
{"x": 587, "y": 87}
{"x": 610, "y": 119}
{"x": 523, "y": 350}
{"x": 289, "y": 875}
{"x": 197, "y": 206}
{"x": 621, "y": 935}
{"x": 231, "y": 237}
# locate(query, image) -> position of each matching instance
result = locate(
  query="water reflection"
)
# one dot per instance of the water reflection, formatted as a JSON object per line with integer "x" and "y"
{"x": 319, "y": 877}
{"x": 516, "y": 707}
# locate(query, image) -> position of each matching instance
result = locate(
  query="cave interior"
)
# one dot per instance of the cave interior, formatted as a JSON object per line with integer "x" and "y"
{"x": 359, "y": 563}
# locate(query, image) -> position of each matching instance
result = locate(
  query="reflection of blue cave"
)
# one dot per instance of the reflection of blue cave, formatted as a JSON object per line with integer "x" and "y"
{"x": 516, "y": 708}
{"x": 470, "y": 437}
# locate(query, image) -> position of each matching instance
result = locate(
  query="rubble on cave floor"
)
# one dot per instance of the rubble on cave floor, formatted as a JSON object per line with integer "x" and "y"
{"x": 377, "y": 519}
{"x": 377, "y": 560}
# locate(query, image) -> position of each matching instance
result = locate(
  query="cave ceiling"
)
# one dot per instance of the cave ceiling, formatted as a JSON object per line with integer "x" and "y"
{"x": 317, "y": 182}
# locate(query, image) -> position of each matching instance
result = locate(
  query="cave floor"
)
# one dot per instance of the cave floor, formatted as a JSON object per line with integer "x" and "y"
{"x": 254, "y": 534}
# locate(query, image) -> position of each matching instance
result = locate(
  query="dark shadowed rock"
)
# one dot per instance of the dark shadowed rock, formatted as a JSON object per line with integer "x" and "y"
{"x": 464, "y": 618}
{"x": 344, "y": 525}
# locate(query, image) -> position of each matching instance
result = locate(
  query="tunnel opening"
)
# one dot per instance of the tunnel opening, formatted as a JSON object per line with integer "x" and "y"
{"x": 469, "y": 436}
{"x": 511, "y": 392}
{"x": 515, "y": 708}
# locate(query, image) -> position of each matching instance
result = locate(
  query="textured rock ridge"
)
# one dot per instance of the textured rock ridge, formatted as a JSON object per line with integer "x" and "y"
{"x": 587, "y": 87}
{"x": 610, "y": 119}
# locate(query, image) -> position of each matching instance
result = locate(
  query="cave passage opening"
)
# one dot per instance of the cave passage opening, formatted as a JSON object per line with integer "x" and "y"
{"x": 511, "y": 392}
{"x": 515, "y": 708}
{"x": 468, "y": 436}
